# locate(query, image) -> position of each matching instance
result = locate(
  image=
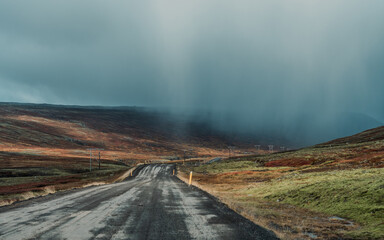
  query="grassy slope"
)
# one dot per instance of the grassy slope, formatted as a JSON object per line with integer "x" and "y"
{"x": 44, "y": 147}
{"x": 297, "y": 193}
{"x": 23, "y": 183}
{"x": 124, "y": 133}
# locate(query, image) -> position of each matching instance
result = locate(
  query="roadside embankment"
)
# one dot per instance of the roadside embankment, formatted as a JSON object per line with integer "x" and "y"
{"x": 29, "y": 183}
{"x": 298, "y": 202}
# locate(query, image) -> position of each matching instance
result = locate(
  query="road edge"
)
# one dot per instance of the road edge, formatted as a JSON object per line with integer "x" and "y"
{"x": 124, "y": 176}
{"x": 211, "y": 195}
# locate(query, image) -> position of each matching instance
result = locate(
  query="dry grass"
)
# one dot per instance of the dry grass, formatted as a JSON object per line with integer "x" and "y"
{"x": 126, "y": 135}
{"x": 26, "y": 190}
{"x": 286, "y": 220}
{"x": 44, "y": 148}
{"x": 326, "y": 191}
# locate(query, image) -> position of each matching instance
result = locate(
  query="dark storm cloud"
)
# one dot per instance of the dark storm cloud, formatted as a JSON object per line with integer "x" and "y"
{"x": 255, "y": 64}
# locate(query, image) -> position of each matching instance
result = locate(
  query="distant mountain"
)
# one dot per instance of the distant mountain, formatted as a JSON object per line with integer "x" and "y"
{"x": 314, "y": 129}
{"x": 153, "y": 130}
{"x": 371, "y": 135}
{"x": 132, "y": 132}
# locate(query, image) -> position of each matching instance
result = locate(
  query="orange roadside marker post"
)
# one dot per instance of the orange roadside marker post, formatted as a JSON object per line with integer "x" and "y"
{"x": 173, "y": 172}
{"x": 190, "y": 178}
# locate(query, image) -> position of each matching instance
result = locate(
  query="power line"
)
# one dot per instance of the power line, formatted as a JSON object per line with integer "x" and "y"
{"x": 270, "y": 147}
{"x": 91, "y": 155}
{"x": 230, "y": 150}
{"x": 257, "y": 148}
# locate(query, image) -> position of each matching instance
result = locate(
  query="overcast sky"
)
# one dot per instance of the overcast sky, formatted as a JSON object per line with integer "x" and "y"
{"x": 271, "y": 58}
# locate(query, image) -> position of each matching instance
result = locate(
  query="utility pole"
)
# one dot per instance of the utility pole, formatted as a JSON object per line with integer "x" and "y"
{"x": 270, "y": 147}
{"x": 185, "y": 151}
{"x": 99, "y": 160}
{"x": 185, "y": 154}
{"x": 184, "y": 157}
{"x": 230, "y": 149}
{"x": 91, "y": 156}
{"x": 90, "y": 160}
{"x": 257, "y": 148}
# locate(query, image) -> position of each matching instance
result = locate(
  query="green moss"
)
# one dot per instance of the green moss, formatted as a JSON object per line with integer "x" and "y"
{"x": 357, "y": 195}
{"x": 231, "y": 166}
{"x": 226, "y": 166}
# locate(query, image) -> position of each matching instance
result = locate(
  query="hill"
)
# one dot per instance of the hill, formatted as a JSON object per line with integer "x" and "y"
{"x": 371, "y": 135}
{"x": 313, "y": 128}
{"x": 46, "y": 146}
{"x": 333, "y": 190}
{"x": 124, "y": 133}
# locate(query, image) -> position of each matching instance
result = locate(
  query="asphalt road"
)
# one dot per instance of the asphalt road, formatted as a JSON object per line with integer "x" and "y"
{"x": 151, "y": 205}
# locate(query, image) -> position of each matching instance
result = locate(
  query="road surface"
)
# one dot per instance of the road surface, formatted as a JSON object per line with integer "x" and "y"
{"x": 151, "y": 205}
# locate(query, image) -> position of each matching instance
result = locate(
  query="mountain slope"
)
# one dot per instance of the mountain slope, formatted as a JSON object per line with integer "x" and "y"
{"x": 124, "y": 133}
{"x": 333, "y": 190}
